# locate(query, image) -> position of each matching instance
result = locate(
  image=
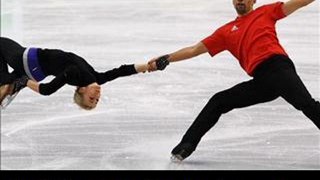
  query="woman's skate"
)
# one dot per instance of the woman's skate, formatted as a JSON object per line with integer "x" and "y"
{"x": 7, "y": 94}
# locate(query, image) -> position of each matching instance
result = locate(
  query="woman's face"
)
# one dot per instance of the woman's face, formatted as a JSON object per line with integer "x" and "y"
{"x": 91, "y": 94}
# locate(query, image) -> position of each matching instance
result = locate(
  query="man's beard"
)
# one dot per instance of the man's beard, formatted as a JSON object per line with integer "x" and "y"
{"x": 241, "y": 9}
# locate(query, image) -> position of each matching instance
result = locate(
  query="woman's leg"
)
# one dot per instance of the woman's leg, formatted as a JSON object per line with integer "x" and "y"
{"x": 11, "y": 54}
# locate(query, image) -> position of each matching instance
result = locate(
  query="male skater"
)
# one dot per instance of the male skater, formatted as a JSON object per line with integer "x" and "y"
{"x": 252, "y": 40}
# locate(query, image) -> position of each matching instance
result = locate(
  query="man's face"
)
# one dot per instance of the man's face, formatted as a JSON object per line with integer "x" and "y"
{"x": 243, "y": 6}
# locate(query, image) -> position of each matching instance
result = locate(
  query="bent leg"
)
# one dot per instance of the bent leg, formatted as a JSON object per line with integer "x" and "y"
{"x": 294, "y": 92}
{"x": 11, "y": 53}
{"x": 242, "y": 95}
{"x": 5, "y": 76}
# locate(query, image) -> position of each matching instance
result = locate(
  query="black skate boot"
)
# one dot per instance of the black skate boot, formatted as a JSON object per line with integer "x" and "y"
{"x": 182, "y": 151}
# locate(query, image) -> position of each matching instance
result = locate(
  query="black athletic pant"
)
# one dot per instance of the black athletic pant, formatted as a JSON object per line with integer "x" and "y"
{"x": 10, "y": 54}
{"x": 274, "y": 78}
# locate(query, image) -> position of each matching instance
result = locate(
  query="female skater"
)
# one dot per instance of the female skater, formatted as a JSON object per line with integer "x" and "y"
{"x": 32, "y": 65}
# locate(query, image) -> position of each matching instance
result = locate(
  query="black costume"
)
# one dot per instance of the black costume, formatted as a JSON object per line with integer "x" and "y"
{"x": 276, "y": 77}
{"x": 68, "y": 68}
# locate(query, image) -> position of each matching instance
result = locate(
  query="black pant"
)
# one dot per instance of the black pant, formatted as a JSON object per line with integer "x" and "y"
{"x": 276, "y": 77}
{"x": 10, "y": 54}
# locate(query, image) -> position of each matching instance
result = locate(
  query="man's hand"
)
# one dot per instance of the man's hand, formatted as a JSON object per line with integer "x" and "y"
{"x": 159, "y": 63}
{"x": 19, "y": 84}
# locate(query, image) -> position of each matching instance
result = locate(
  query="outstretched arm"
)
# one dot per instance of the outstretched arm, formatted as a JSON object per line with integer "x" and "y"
{"x": 293, "y": 5}
{"x": 182, "y": 54}
{"x": 124, "y": 70}
{"x": 188, "y": 52}
{"x": 141, "y": 67}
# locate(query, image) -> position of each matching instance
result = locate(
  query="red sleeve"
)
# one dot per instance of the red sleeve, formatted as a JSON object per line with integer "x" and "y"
{"x": 275, "y": 10}
{"x": 215, "y": 43}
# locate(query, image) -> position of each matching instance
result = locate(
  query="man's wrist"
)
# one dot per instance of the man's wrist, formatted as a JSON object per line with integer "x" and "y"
{"x": 162, "y": 62}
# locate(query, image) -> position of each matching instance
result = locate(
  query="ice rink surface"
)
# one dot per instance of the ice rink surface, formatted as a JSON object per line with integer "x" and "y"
{"x": 142, "y": 117}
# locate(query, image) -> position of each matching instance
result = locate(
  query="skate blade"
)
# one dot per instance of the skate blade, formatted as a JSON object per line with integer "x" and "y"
{"x": 176, "y": 158}
{"x": 7, "y": 100}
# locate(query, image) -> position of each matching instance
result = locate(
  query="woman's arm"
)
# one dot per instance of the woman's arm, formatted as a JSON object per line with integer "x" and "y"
{"x": 141, "y": 67}
{"x": 122, "y": 71}
{"x": 33, "y": 85}
{"x": 47, "y": 88}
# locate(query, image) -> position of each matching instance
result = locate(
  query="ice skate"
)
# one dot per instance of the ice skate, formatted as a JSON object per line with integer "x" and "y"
{"x": 5, "y": 90}
{"x": 182, "y": 151}
{"x": 7, "y": 94}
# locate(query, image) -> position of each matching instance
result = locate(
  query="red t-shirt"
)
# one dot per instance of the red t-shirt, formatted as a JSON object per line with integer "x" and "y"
{"x": 251, "y": 38}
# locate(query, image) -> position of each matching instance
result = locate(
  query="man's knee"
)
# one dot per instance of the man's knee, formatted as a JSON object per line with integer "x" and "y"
{"x": 218, "y": 103}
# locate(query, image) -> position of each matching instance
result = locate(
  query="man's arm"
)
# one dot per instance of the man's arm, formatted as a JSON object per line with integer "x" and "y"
{"x": 182, "y": 54}
{"x": 188, "y": 52}
{"x": 293, "y": 5}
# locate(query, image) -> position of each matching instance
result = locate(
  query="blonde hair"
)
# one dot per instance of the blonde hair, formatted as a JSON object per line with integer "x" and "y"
{"x": 78, "y": 99}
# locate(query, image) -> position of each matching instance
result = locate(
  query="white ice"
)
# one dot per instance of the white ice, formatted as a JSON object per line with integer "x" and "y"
{"x": 142, "y": 117}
